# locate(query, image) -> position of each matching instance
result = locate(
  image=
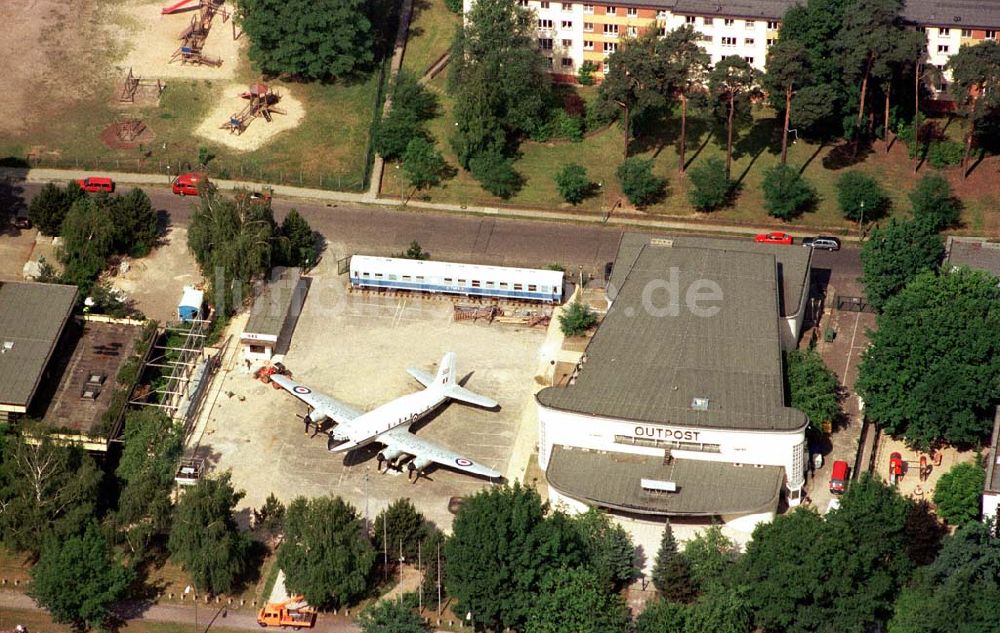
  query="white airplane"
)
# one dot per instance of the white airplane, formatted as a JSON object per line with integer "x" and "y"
{"x": 390, "y": 423}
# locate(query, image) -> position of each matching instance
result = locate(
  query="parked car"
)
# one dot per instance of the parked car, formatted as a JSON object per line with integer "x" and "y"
{"x": 838, "y": 478}
{"x": 187, "y": 184}
{"x": 822, "y": 242}
{"x": 774, "y": 237}
{"x": 22, "y": 222}
{"x": 95, "y": 184}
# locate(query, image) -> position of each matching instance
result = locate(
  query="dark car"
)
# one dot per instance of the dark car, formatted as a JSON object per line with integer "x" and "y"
{"x": 822, "y": 242}
{"x": 22, "y": 222}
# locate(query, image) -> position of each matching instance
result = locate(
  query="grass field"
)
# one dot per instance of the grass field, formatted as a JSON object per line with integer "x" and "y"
{"x": 755, "y": 150}
{"x": 432, "y": 27}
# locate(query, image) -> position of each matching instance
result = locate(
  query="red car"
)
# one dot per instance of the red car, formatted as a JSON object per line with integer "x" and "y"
{"x": 838, "y": 477}
{"x": 775, "y": 237}
{"x": 95, "y": 184}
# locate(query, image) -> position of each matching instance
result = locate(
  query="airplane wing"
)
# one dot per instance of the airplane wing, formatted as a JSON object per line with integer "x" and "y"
{"x": 425, "y": 452}
{"x": 322, "y": 403}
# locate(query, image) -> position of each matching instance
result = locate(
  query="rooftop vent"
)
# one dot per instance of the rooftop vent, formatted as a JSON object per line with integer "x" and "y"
{"x": 700, "y": 404}
{"x": 660, "y": 241}
{"x": 657, "y": 485}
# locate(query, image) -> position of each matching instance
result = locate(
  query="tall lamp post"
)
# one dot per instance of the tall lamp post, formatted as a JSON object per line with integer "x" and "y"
{"x": 190, "y": 590}
{"x": 861, "y": 220}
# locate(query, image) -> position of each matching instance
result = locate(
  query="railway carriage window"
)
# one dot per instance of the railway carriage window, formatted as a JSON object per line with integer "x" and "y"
{"x": 475, "y": 283}
{"x": 365, "y": 275}
{"x": 532, "y": 288}
{"x": 503, "y": 284}
{"x": 518, "y": 286}
{"x": 491, "y": 284}
{"x": 461, "y": 282}
{"x": 447, "y": 280}
{"x": 392, "y": 277}
{"x": 420, "y": 277}
{"x": 407, "y": 278}
{"x": 378, "y": 274}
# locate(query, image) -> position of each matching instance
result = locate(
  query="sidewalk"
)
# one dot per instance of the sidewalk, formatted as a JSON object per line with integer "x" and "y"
{"x": 324, "y": 196}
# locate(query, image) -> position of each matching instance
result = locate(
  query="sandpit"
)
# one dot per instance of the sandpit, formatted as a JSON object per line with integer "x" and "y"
{"x": 151, "y": 38}
{"x": 259, "y": 131}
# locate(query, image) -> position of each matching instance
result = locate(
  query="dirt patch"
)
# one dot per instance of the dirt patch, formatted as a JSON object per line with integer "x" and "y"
{"x": 156, "y": 282}
{"x": 52, "y": 45}
{"x": 152, "y": 38}
{"x": 259, "y": 131}
{"x": 115, "y": 137}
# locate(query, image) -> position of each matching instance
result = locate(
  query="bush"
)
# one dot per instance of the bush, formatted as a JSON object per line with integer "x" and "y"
{"x": 495, "y": 173}
{"x": 585, "y": 75}
{"x": 710, "y": 186}
{"x": 957, "y": 493}
{"x": 576, "y": 319}
{"x": 568, "y": 126}
{"x": 455, "y": 6}
{"x": 786, "y": 193}
{"x": 859, "y": 194}
{"x": 573, "y": 183}
{"x": 934, "y": 203}
{"x": 943, "y": 154}
{"x": 600, "y": 113}
{"x": 639, "y": 183}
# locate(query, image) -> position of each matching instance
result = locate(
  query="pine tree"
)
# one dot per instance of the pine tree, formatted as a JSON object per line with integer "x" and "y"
{"x": 671, "y": 571}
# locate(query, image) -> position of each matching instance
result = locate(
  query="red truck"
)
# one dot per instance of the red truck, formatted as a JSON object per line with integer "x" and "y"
{"x": 187, "y": 184}
{"x": 96, "y": 184}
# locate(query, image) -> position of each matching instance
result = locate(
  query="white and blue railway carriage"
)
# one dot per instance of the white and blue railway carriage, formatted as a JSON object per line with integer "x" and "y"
{"x": 474, "y": 280}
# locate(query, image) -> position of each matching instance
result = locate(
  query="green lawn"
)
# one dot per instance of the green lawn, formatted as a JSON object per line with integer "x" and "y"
{"x": 755, "y": 150}
{"x": 432, "y": 27}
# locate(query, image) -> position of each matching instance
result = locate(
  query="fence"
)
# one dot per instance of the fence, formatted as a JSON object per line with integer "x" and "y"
{"x": 217, "y": 168}
{"x": 852, "y": 304}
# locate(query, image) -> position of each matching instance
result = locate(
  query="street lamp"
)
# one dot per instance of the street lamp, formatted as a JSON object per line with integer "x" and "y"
{"x": 861, "y": 220}
{"x": 187, "y": 590}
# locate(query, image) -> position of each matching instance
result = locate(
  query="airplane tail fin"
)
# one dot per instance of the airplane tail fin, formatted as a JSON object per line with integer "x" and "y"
{"x": 446, "y": 372}
{"x": 445, "y": 379}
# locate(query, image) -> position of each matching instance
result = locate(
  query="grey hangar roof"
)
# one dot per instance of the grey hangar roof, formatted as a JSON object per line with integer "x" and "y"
{"x": 271, "y": 307}
{"x": 649, "y": 367}
{"x": 32, "y": 317}
{"x": 704, "y": 488}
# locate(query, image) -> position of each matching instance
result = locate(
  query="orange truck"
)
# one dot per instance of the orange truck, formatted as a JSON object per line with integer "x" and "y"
{"x": 294, "y": 613}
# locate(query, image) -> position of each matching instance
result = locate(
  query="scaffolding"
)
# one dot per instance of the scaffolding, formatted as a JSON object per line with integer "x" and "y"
{"x": 180, "y": 361}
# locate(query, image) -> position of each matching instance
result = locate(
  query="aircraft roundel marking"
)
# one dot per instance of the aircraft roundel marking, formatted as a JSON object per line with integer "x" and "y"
{"x": 461, "y": 461}
{"x": 302, "y": 390}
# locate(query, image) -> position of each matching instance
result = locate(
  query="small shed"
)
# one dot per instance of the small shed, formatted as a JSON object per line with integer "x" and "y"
{"x": 190, "y": 307}
{"x": 274, "y": 315}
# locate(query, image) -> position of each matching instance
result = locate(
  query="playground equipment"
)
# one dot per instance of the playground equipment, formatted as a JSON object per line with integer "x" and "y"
{"x": 133, "y": 86}
{"x": 128, "y": 130}
{"x": 176, "y": 7}
{"x": 261, "y": 102}
{"x": 193, "y": 37}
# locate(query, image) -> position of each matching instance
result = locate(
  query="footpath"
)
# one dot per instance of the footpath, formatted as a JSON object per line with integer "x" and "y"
{"x": 328, "y": 198}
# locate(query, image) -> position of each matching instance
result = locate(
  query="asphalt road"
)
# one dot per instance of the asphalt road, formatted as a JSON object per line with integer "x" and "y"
{"x": 383, "y": 231}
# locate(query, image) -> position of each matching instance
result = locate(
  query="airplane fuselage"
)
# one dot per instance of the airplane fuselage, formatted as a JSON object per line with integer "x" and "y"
{"x": 403, "y": 410}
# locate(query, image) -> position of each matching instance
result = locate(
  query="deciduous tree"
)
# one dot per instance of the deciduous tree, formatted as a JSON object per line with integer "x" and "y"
{"x": 573, "y": 183}
{"x": 576, "y": 319}
{"x": 786, "y": 193}
{"x": 78, "y": 580}
{"x": 934, "y": 203}
{"x": 895, "y": 254}
{"x": 204, "y": 537}
{"x": 576, "y": 600}
{"x": 296, "y": 242}
{"x": 49, "y": 207}
{"x": 934, "y": 364}
{"x": 311, "y": 39}
{"x": 861, "y": 197}
{"x": 637, "y": 79}
{"x": 423, "y": 164}
{"x": 638, "y": 182}
{"x": 135, "y": 222}
{"x": 687, "y": 67}
{"x": 662, "y": 616}
{"x": 712, "y": 556}
{"x": 495, "y": 173}
{"x": 391, "y": 616}
{"x": 787, "y": 70}
{"x": 813, "y": 386}
{"x": 325, "y": 554}
{"x": 958, "y": 493}
{"x": 88, "y": 234}
{"x": 710, "y": 185}
{"x": 975, "y": 72}
{"x": 399, "y": 525}
{"x": 609, "y": 550}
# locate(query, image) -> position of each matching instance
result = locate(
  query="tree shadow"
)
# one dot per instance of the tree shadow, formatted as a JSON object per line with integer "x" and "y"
{"x": 12, "y": 205}
{"x": 923, "y": 533}
{"x": 973, "y": 166}
{"x": 809, "y": 160}
{"x": 705, "y": 132}
{"x": 847, "y": 154}
{"x": 762, "y": 135}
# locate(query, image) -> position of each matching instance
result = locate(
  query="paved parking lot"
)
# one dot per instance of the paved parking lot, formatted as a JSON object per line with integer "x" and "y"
{"x": 356, "y": 347}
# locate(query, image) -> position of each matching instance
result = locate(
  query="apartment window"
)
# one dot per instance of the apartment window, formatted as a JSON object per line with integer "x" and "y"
{"x": 610, "y": 47}
{"x": 772, "y": 25}
{"x": 545, "y": 44}
{"x": 633, "y": 31}
{"x": 566, "y": 43}
{"x": 729, "y": 41}
{"x": 966, "y": 32}
{"x": 567, "y": 6}
{"x": 661, "y": 31}
{"x": 588, "y": 8}
{"x": 942, "y": 48}
{"x": 612, "y": 11}
{"x": 750, "y": 24}
{"x": 567, "y": 24}
{"x": 729, "y": 22}
{"x": 588, "y": 27}
{"x": 705, "y": 38}
{"x": 567, "y": 62}
{"x": 661, "y": 15}
{"x": 588, "y": 45}
{"x": 944, "y": 86}
{"x": 748, "y": 60}
{"x": 689, "y": 19}
{"x": 545, "y": 4}
{"x": 991, "y": 35}
{"x": 944, "y": 32}
{"x": 545, "y": 24}
{"x": 708, "y": 21}
{"x": 748, "y": 41}
{"x": 770, "y": 42}
{"x": 632, "y": 12}
{"x": 611, "y": 30}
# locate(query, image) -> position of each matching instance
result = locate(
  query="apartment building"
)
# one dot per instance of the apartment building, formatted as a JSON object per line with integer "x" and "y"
{"x": 571, "y": 33}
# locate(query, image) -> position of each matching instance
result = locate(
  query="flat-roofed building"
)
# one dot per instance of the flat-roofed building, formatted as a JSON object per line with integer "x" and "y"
{"x": 677, "y": 408}
{"x": 274, "y": 314}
